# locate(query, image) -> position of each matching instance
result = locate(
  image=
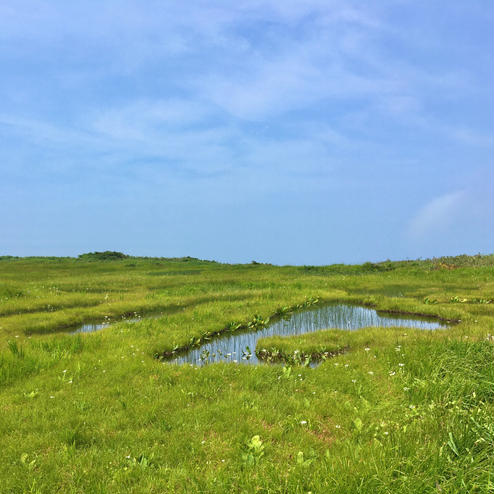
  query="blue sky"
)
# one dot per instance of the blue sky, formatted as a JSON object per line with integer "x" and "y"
{"x": 293, "y": 132}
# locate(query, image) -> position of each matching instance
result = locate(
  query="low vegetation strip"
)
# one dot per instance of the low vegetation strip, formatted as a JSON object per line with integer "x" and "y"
{"x": 387, "y": 410}
{"x": 321, "y": 345}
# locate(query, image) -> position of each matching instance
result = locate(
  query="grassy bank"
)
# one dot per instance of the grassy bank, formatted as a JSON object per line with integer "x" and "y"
{"x": 393, "y": 410}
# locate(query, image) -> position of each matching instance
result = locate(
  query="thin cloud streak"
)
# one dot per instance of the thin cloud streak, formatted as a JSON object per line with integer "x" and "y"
{"x": 436, "y": 216}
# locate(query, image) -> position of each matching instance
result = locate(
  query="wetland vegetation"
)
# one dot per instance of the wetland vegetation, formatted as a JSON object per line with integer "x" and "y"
{"x": 389, "y": 409}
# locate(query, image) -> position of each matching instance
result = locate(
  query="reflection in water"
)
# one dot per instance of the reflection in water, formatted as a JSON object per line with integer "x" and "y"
{"x": 90, "y": 327}
{"x": 240, "y": 347}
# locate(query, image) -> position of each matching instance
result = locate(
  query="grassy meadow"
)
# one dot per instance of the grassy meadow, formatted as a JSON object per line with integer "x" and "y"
{"x": 387, "y": 410}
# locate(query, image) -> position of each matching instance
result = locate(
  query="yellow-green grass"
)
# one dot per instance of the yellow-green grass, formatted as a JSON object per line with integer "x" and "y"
{"x": 400, "y": 411}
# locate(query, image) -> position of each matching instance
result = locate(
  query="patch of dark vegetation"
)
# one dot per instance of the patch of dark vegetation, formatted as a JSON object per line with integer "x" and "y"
{"x": 77, "y": 434}
{"x": 107, "y": 255}
{"x": 256, "y": 263}
{"x": 275, "y": 356}
{"x": 382, "y": 266}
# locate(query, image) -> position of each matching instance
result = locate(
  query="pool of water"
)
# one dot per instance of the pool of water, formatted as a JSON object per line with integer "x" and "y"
{"x": 90, "y": 327}
{"x": 133, "y": 317}
{"x": 240, "y": 347}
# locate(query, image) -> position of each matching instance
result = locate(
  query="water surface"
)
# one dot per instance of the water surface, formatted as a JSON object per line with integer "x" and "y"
{"x": 240, "y": 346}
{"x": 90, "y": 327}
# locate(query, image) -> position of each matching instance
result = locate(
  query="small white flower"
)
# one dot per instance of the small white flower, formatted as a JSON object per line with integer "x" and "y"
{"x": 371, "y": 373}
{"x": 354, "y": 381}
{"x": 338, "y": 426}
{"x": 367, "y": 349}
{"x": 303, "y": 422}
{"x": 406, "y": 388}
{"x": 401, "y": 365}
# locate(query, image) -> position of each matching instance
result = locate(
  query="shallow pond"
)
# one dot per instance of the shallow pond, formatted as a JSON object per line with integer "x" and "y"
{"x": 240, "y": 346}
{"x": 133, "y": 317}
{"x": 90, "y": 327}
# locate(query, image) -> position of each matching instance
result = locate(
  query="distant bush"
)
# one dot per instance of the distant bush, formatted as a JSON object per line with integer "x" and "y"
{"x": 383, "y": 266}
{"x": 107, "y": 255}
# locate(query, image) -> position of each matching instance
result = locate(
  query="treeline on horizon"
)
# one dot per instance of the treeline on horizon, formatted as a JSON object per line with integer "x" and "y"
{"x": 444, "y": 262}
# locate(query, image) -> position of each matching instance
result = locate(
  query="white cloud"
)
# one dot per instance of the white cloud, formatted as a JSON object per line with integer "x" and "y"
{"x": 142, "y": 119}
{"x": 254, "y": 60}
{"x": 437, "y": 215}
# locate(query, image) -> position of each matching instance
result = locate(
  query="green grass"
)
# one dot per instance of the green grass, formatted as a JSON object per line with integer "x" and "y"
{"x": 395, "y": 410}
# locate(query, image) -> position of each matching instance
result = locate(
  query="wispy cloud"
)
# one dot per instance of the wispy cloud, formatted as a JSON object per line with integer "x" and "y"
{"x": 436, "y": 216}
